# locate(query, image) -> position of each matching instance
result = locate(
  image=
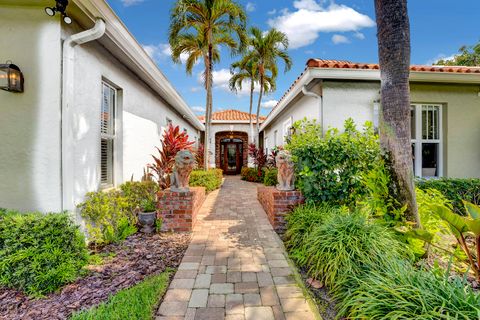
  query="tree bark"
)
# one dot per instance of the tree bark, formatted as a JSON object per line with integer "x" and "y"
{"x": 208, "y": 111}
{"x": 252, "y": 88}
{"x": 393, "y": 32}
{"x": 260, "y": 95}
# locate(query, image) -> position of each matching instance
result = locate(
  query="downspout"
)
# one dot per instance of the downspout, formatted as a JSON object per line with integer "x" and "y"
{"x": 68, "y": 77}
{"x": 320, "y": 105}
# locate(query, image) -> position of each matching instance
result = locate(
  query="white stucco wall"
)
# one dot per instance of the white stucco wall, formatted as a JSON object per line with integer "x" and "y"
{"x": 141, "y": 117}
{"x": 30, "y": 121}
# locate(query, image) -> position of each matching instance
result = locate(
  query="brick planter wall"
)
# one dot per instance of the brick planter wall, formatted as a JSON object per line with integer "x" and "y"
{"x": 178, "y": 210}
{"x": 278, "y": 204}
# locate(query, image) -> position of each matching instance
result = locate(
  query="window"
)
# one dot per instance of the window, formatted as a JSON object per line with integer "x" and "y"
{"x": 107, "y": 123}
{"x": 426, "y": 135}
{"x": 287, "y": 125}
{"x": 275, "y": 138}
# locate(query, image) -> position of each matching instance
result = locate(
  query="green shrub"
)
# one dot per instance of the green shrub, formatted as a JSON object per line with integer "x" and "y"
{"x": 400, "y": 291}
{"x": 39, "y": 253}
{"x": 252, "y": 174}
{"x": 109, "y": 216}
{"x": 210, "y": 179}
{"x": 138, "y": 191}
{"x": 136, "y": 303}
{"x": 270, "y": 176}
{"x": 454, "y": 190}
{"x": 346, "y": 246}
{"x": 300, "y": 223}
{"x": 330, "y": 168}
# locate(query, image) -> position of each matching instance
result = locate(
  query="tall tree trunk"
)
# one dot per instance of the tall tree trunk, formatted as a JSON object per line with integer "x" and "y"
{"x": 208, "y": 111}
{"x": 252, "y": 88}
{"x": 260, "y": 95}
{"x": 393, "y": 31}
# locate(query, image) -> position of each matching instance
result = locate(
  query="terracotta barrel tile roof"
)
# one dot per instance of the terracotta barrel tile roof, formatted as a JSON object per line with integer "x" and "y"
{"x": 232, "y": 115}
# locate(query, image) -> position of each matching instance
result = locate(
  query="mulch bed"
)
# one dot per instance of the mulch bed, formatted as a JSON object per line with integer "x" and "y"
{"x": 135, "y": 258}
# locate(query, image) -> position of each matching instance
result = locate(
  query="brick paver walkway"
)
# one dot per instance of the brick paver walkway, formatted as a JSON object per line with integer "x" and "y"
{"x": 235, "y": 266}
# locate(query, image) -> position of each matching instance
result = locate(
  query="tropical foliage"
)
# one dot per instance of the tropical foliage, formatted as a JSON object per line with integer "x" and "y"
{"x": 211, "y": 179}
{"x": 467, "y": 56}
{"x": 198, "y": 28}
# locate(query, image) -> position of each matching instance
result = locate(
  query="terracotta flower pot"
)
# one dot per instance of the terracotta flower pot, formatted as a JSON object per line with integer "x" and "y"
{"x": 147, "y": 221}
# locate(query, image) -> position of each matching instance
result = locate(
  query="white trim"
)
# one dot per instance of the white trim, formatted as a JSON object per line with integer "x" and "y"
{"x": 285, "y": 130}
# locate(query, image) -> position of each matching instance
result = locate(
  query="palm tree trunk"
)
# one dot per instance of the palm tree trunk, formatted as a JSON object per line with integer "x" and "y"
{"x": 208, "y": 111}
{"x": 394, "y": 54}
{"x": 252, "y": 88}
{"x": 260, "y": 95}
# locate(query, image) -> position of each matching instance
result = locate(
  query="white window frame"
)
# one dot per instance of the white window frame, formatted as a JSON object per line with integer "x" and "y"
{"x": 275, "y": 134}
{"x": 110, "y": 136}
{"x": 286, "y": 129}
{"x": 419, "y": 141}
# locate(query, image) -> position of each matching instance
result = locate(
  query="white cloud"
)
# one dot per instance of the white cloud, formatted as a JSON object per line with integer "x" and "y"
{"x": 195, "y": 89}
{"x": 250, "y": 7}
{"x": 162, "y": 51}
{"x": 221, "y": 80}
{"x": 440, "y": 56}
{"x": 311, "y": 18}
{"x": 272, "y": 12}
{"x": 198, "y": 109}
{"x": 128, "y": 3}
{"x": 359, "y": 35}
{"x": 269, "y": 104}
{"x": 338, "y": 39}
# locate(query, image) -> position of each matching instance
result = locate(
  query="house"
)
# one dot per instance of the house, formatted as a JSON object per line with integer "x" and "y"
{"x": 445, "y": 110}
{"x": 230, "y": 136}
{"x": 93, "y": 107}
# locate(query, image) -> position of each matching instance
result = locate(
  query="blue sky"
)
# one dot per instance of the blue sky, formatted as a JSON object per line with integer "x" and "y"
{"x": 340, "y": 29}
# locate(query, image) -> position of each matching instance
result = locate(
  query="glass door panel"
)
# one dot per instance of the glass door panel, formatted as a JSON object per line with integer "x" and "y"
{"x": 231, "y": 157}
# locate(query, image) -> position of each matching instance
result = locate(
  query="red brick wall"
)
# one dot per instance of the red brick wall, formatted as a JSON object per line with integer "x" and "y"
{"x": 278, "y": 204}
{"x": 231, "y": 135}
{"x": 178, "y": 210}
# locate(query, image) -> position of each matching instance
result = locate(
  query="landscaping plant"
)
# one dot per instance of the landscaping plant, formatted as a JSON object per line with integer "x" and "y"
{"x": 270, "y": 176}
{"x": 251, "y": 174}
{"x": 330, "y": 168}
{"x": 211, "y": 179}
{"x": 39, "y": 253}
{"x": 173, "y": 140}
{"x": 138, "y": 191}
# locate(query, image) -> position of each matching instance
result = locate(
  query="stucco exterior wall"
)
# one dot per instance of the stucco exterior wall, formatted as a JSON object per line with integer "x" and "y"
{"x": 30, "y": 161}
{"x": 141, "y": 118}
{"x": 461, "y": 125}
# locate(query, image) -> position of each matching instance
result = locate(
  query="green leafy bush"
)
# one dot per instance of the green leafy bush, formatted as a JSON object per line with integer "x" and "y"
{"x": 400, "y": 291}
{"x": 109, "y": 216}
{"x": 330, "y": 168}
{"x": 138, "y": 191}
{"x": 252, "y": 174}
{"x": 210, "y": 179}
{"x": 454, "y": 190}
{"x": 270, "y": 176}
{"x": 39, "y": 253}
{"x": 138, "y": 302}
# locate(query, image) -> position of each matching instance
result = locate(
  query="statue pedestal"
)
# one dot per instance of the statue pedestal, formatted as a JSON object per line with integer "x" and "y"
{"x": 178, "y": 210}
{"x": 278, "y": 204}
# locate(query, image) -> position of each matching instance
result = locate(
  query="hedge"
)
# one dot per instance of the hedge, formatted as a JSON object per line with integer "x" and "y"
{"x": 454, "y": 190}
{"x": 210, "y": 179}
{"x": 270, "y": 176}
{"x": 39, "y": 253}
{"x": 252, "y": 174}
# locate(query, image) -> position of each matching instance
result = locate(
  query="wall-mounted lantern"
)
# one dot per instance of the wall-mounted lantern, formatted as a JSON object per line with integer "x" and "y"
{"x": 11, "y": 78}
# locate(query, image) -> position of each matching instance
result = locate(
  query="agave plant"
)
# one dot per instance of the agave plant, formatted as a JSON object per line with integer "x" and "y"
{"x": 460, "y": 226}
{"x": 173, "y": 140}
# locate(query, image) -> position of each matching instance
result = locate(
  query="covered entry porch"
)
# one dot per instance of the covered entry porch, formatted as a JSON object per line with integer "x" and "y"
{"x": 231, "y": 151}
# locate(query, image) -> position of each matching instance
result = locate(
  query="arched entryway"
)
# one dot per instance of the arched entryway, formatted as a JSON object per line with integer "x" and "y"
{"x": 231, "y": 151}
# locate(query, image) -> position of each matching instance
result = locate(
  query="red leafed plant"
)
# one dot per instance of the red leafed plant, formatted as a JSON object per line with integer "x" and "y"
{"x": 199, "y": 156}
{"x": 173, "y": 140}
{"x": 259, "y": 157}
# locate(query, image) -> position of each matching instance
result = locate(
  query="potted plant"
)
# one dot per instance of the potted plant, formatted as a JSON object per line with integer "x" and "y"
{"x": 147, "y": 214}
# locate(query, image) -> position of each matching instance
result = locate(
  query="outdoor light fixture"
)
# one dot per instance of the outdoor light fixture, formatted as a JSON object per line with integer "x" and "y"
{"x": 61, "y": 7}
{"x": 11, "y": 78}
{"x": 292, "y": 131}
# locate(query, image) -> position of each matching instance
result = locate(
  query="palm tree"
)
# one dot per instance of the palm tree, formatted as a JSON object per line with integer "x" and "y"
{"x": 246, "y": 71}
{"x": 264, "y": 51}
{"x": 393, "y": 31}
{"x": 198, "y": 28}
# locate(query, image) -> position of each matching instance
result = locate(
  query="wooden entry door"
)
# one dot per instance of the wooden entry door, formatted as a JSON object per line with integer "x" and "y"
{"x": 231, "y": 157}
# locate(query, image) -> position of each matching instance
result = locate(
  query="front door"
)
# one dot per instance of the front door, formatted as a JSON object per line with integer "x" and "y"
{"x": 231, "y": 157}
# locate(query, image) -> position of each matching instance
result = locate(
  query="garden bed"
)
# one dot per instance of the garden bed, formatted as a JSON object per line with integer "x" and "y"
{"x": 125, "y": 264}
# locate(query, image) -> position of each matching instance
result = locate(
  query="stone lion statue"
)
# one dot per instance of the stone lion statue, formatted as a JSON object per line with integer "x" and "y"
{"x": 286, "y": 176}
{"x": 184, "y": 163}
